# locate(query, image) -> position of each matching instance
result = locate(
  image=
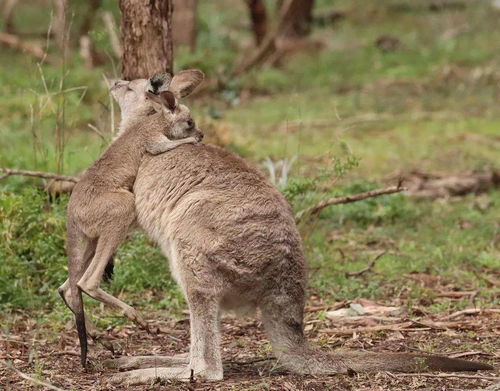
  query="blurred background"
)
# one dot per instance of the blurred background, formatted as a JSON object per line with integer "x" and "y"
{"x": 330, "y": 97}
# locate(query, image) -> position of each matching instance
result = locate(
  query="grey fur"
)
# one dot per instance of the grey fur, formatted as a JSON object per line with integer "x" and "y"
{"x": 102, "y": 206}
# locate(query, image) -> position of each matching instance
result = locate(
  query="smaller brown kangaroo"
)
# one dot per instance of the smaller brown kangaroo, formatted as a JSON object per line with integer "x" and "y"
{"x": 102, "y": 206}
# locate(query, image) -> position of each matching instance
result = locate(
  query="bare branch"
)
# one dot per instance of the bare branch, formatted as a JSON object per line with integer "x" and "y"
{"x": 348, "y": 199}
{"x": 14, "y": 42}
{"x": 268, "y": 44}
{"x": 367, "y": 268}
{"x": 38, "y": 174}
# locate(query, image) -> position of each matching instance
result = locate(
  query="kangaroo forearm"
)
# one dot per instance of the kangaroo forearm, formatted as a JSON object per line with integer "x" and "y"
{"x": 165, "y": 145}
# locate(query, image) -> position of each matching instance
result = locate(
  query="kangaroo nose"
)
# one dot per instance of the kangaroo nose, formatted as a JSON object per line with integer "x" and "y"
{"x": 117, "y": 83}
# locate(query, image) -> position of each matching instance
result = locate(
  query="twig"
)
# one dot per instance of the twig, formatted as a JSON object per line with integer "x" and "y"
{"x": 367, "y": 268}
{"x": 29, "y": 378}
{"x": 333, "y": 307}
{"x": 456, "y": 294}
{"x": 61, "y": 353}
{"x": 369, "y": 329}
{"x": 39, "y": 174}
{"x": 445, "y": 375}
{"x": 249, "y": 362}
{"x": 472, "y": 311}
{"x": 348, "y": 199}
{"x": 446, "y": 325}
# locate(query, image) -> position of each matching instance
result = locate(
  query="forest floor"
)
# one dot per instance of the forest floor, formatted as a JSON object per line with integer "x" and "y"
{"x": 248, "y": 361}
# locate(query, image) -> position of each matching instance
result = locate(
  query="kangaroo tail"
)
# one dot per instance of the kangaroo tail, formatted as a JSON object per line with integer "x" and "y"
{"x": 282, "y": 318}
{"x": 316, "y": 362}
{"x": 80, "y": 325}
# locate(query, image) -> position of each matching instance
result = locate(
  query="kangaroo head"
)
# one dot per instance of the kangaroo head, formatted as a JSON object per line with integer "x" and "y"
{"x": 160, "y": 94}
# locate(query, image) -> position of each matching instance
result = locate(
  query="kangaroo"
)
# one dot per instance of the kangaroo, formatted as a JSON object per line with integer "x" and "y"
{"x": 232, "y": 244}
{"x": 101, "y": 208}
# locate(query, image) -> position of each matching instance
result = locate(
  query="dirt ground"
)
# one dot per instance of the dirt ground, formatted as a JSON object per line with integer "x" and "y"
{"x": 248, "y": 363}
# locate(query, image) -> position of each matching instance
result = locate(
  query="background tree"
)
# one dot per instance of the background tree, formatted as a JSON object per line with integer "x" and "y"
{"x": 146, "y": 37}
{"x": 258, "y": 17}
{"x": 184, "y": 22}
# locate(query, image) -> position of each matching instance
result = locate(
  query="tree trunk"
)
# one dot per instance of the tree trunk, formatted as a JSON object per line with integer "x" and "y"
{"x": 290, "y": 13}
{"x": 8, "y": 15}
{"x": 184, "y": 23}
{"x": 258, "y": 16}
{"x": 90, "y": 15}
{"x": 146, "y": 28}
{"x": 301, "y": 19}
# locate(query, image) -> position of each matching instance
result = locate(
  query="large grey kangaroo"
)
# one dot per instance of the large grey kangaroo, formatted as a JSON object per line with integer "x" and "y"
{"x": 232, "y": 244}
{"x": 102, "y": 207}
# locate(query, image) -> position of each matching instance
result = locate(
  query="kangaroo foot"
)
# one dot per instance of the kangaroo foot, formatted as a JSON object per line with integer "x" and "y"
{"x": 136, "y": 362}
{"x": 146, "y": 376}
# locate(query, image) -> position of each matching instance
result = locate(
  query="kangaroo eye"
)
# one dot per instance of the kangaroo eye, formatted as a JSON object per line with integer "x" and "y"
{"x": 190, "y": 123}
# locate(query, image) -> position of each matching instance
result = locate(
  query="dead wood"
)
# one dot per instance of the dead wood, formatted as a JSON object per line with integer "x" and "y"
{"x": 367, "y": 268}
{"x": 430, "y": 185}
{"x": 457, "y": 294}
{"x": 368, "y": 329}
{"x": 14, "y": 42}
{"x": 472, "y": 311}
{"x": 348, "y": 199}
{"x": 38, "y": 174}
{"x": 445, "y": 325}
{"x": 333, "y": 307}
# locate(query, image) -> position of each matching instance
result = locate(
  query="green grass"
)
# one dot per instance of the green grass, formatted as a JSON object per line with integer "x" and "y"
{"x": 431, "y": 105}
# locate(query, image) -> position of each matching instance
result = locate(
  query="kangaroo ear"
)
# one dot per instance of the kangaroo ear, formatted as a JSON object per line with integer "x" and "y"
{"x": 164, "y": 99}
{"x": 185, "y": 82}
{"x": 156, "y": 101}
{"x": 168, "y": 100}
{"x": 159, "y": 82}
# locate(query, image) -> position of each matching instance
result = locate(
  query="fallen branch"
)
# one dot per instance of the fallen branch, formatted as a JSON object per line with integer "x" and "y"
{"x": 38, "y": 174}
{"x": 29, "y": 378}
{"x": 472, "y": 311}
{"x": 456, "y": 294}
{"x": 446, "y": 325}
{"x": 368, "y": 329}
{"x": 367, "y": 268}
{"x": 444, "y": 375}
{"x": 346, "y": 200}
{"x": 14, "y": 42}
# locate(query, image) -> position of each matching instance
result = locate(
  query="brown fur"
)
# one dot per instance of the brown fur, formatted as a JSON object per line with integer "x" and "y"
{"x": 232, "y": 244}
{"x": 102, "y": 206}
